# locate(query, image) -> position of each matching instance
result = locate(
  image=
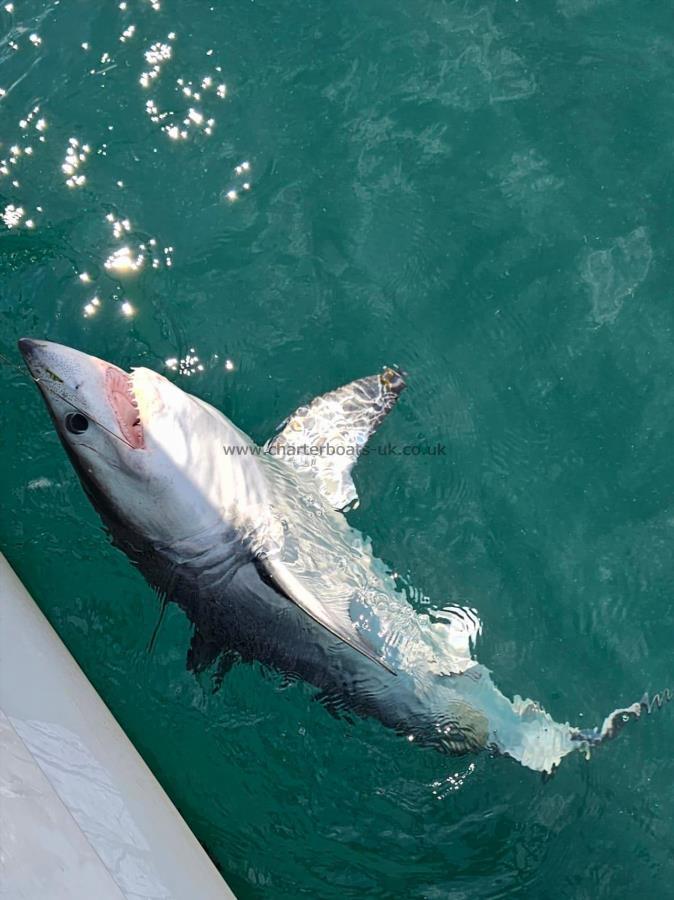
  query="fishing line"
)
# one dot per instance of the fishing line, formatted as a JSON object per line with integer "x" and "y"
{"x": 153, "y": 639}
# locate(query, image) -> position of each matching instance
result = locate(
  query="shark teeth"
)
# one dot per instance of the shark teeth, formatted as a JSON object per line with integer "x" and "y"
{"x": 119, "y": 388}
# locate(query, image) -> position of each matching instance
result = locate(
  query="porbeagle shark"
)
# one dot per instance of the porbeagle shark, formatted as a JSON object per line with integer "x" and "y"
{"x": 253, "y": 545}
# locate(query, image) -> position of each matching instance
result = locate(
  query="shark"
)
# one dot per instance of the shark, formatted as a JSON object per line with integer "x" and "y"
{"x": 253, "y": 543}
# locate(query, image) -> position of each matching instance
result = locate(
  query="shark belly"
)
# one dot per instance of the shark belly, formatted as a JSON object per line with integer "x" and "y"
{"x": 237, "y": 614}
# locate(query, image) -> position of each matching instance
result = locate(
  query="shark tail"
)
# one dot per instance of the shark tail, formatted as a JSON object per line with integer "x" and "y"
{"x": 523, "y": 730}
{"x": 615, "y": 721}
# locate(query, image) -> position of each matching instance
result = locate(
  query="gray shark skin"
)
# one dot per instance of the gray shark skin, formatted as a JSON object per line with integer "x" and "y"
{"x": 252, "y": 544}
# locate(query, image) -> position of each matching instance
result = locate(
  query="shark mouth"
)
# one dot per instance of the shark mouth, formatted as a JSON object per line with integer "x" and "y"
{"x": 119, "y": 389}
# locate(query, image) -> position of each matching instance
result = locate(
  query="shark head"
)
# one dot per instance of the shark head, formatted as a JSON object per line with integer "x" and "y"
{"x": 135, "y": 439}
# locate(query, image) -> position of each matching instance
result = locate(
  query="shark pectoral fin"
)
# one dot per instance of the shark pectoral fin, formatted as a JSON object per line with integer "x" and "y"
{"x": 203, "y": 653}
{"x": 326, "y": 437}
{"x": 333, "y": 619}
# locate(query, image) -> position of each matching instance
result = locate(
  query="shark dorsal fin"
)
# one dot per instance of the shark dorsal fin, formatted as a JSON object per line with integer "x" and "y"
{"x": 326, "y": 437}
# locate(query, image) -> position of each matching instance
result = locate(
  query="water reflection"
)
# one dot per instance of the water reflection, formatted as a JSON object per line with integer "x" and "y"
{"x": 183, "y": 105}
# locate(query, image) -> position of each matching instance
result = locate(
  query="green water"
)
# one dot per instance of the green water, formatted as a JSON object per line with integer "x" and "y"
{"x": 481, "y": 193}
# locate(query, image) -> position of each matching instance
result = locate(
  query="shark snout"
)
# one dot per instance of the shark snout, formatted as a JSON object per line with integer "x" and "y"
{"x": 27, "y": 345}
{"x": 32, "y": 351}
{"x": 58, "y": 362}
{"x": 74, "y": 381}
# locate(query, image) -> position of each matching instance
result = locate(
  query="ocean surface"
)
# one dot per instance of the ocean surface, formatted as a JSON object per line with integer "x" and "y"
{"x": 264, "y": 200}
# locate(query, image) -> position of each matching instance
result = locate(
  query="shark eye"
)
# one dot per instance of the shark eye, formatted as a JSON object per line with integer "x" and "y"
{"x": 76, "y": 423}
